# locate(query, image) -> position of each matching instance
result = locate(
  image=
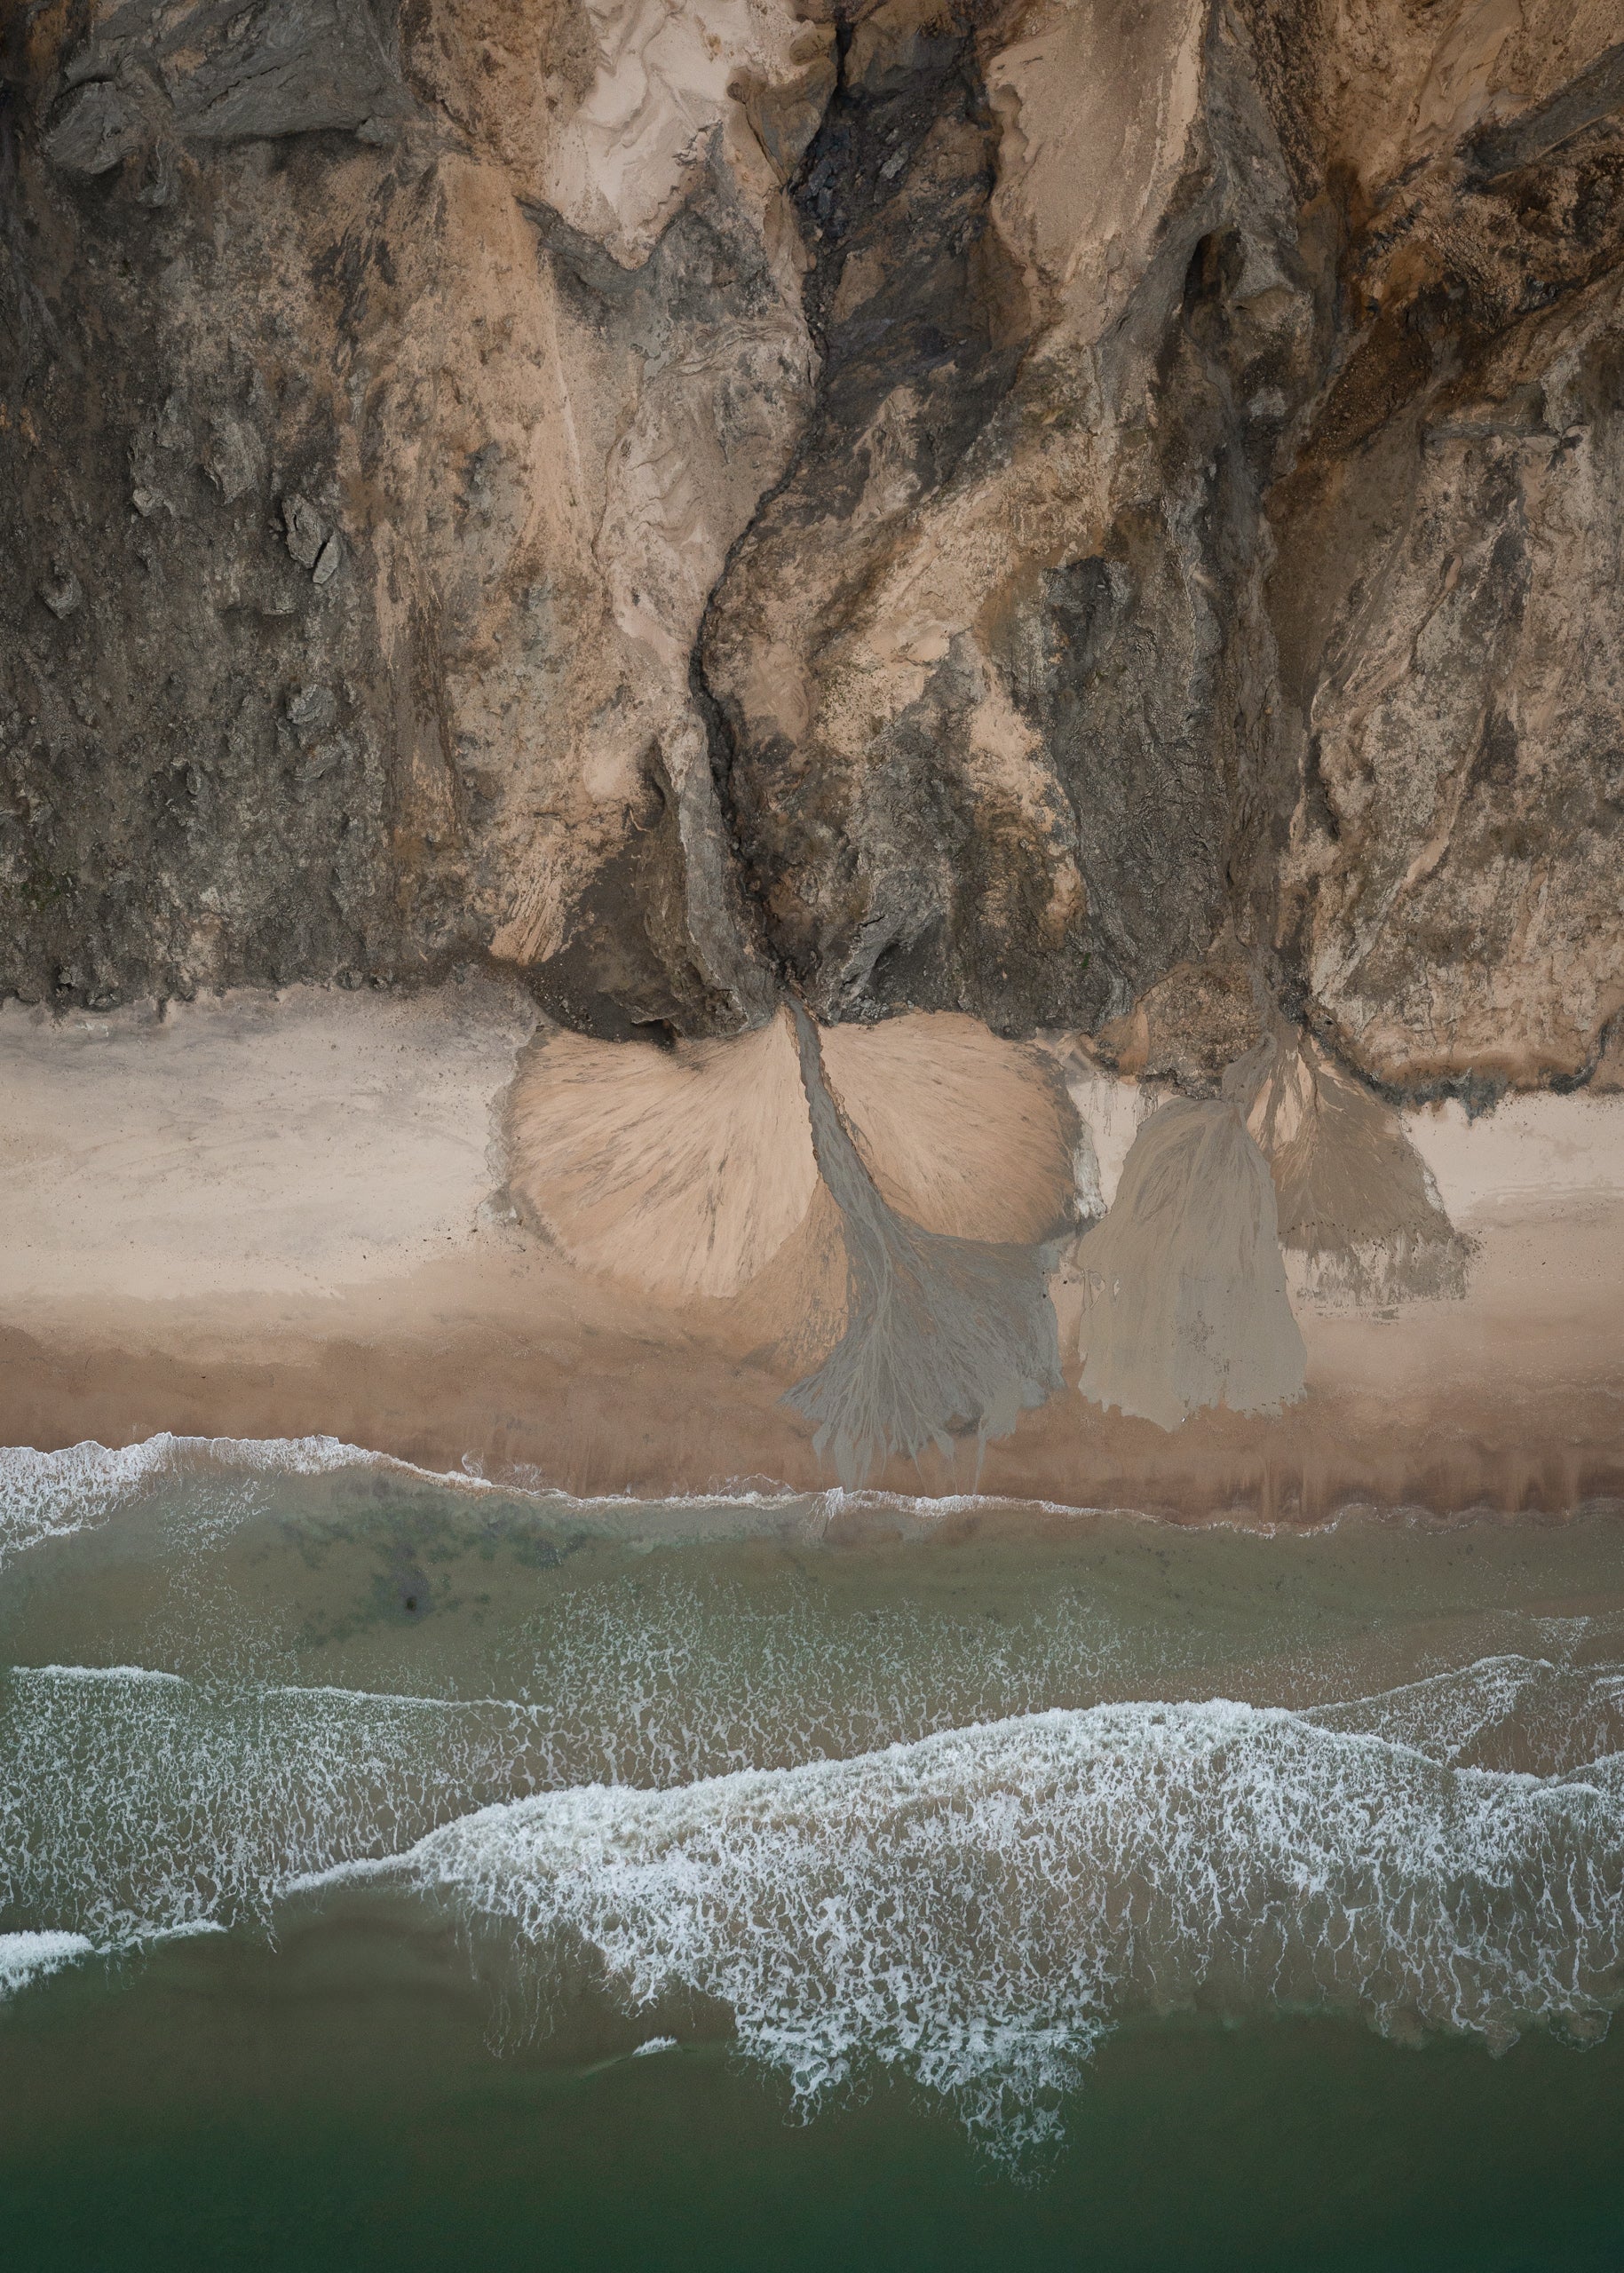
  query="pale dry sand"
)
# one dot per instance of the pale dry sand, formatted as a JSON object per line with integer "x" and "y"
{"x": 279, "y": 1218}
{"x": 246, "y": 1145}
{"x": 1531, "y": 1148}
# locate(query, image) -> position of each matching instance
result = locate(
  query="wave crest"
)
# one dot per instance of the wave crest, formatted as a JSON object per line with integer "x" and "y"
{"x": 975, "y": 1908}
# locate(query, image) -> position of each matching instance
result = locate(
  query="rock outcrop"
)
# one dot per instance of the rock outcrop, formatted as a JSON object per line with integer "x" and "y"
{"x": 1098, "y": 517}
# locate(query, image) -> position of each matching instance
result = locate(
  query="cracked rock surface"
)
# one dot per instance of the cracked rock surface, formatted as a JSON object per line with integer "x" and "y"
{"x": 1104, "y": 515}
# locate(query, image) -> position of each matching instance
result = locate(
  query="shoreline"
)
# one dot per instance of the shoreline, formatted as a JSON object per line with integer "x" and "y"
{"x": 597, "y": 1415}
{"x": 844, "y": 1515}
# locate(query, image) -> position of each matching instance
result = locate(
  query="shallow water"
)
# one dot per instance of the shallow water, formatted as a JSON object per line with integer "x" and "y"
{"x": 356, "y": 1828}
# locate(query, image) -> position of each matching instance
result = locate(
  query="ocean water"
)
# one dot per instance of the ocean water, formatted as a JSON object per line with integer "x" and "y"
{"x": 397, "y": 1870}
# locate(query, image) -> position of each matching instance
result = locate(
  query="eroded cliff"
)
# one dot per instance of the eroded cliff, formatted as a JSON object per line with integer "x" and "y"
{"x": 1100, "y": 516}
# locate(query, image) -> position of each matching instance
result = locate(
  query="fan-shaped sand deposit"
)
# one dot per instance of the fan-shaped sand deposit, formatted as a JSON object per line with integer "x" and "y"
{"x": 1184, "y": 1300}
{"x": 285, "y": 1218}
{"x": 682, "y": 1170}
{"x": 911, "y": 1279}
{"x": 963, "y": 1132}
{"x": 687, "y": 1170}
{"x": 942, "y": 1333}
{"x": 1359, "y": 1215}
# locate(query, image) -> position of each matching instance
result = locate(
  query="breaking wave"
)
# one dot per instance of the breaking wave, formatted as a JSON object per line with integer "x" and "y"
{"x": 51, "y": 1495}
{"x": 47, "y": 1495}
{"x": 903, "y": 1836}
{"x": 977, "y": 1908}
{"x": 973, "y": 1909}
{"x": 28, "y": 1957}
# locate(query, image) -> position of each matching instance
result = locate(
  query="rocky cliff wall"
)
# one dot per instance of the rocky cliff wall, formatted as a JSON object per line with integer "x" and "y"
{"x": 1102, "y": 516}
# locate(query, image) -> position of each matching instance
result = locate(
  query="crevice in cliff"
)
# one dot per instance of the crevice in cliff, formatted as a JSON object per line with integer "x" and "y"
{"x": 908, "y": 289}
{"x": 909, "y": 286}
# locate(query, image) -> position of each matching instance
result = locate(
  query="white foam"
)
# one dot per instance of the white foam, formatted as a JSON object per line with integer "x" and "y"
{"x": 44, "y": 1494}
{"x": 972, "y": 1906}
{"x": 133, "y": 1803}
{"x": 47, "y": 1495}
{"x": 1500, "y": 1712}
{"x": 28, "y": 1957}
{"x": 975, "y": 1908}
{"x": 94, "y": 1677}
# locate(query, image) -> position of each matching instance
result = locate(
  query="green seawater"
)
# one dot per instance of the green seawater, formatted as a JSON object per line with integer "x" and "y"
{"x": 434, "y": 1876}
{"x": 335, "y": 2103}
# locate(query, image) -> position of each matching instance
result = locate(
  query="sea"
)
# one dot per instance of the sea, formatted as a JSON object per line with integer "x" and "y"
{"x": 410, "y": 1870}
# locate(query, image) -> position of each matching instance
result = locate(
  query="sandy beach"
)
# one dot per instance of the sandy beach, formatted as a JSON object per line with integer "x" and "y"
{"x": 260, "y": 1217}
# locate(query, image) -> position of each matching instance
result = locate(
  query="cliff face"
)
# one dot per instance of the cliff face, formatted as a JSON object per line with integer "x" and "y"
{"x": 1103, "y": 515}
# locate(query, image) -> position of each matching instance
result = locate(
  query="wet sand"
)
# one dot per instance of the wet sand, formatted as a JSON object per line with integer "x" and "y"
{"x": 327, "y": 1248}
{"x": 1511, "y": 1400}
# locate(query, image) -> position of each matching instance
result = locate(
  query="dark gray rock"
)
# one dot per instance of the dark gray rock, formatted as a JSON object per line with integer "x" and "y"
{"x": 62, "y": 592}
{"x": 220, "y": 70}
{"x": 305, "y": 531}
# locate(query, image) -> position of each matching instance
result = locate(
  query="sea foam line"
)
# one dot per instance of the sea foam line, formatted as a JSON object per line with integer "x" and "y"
{"x": 975, "y": 1908}
{"x": 44, "y": 1495}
